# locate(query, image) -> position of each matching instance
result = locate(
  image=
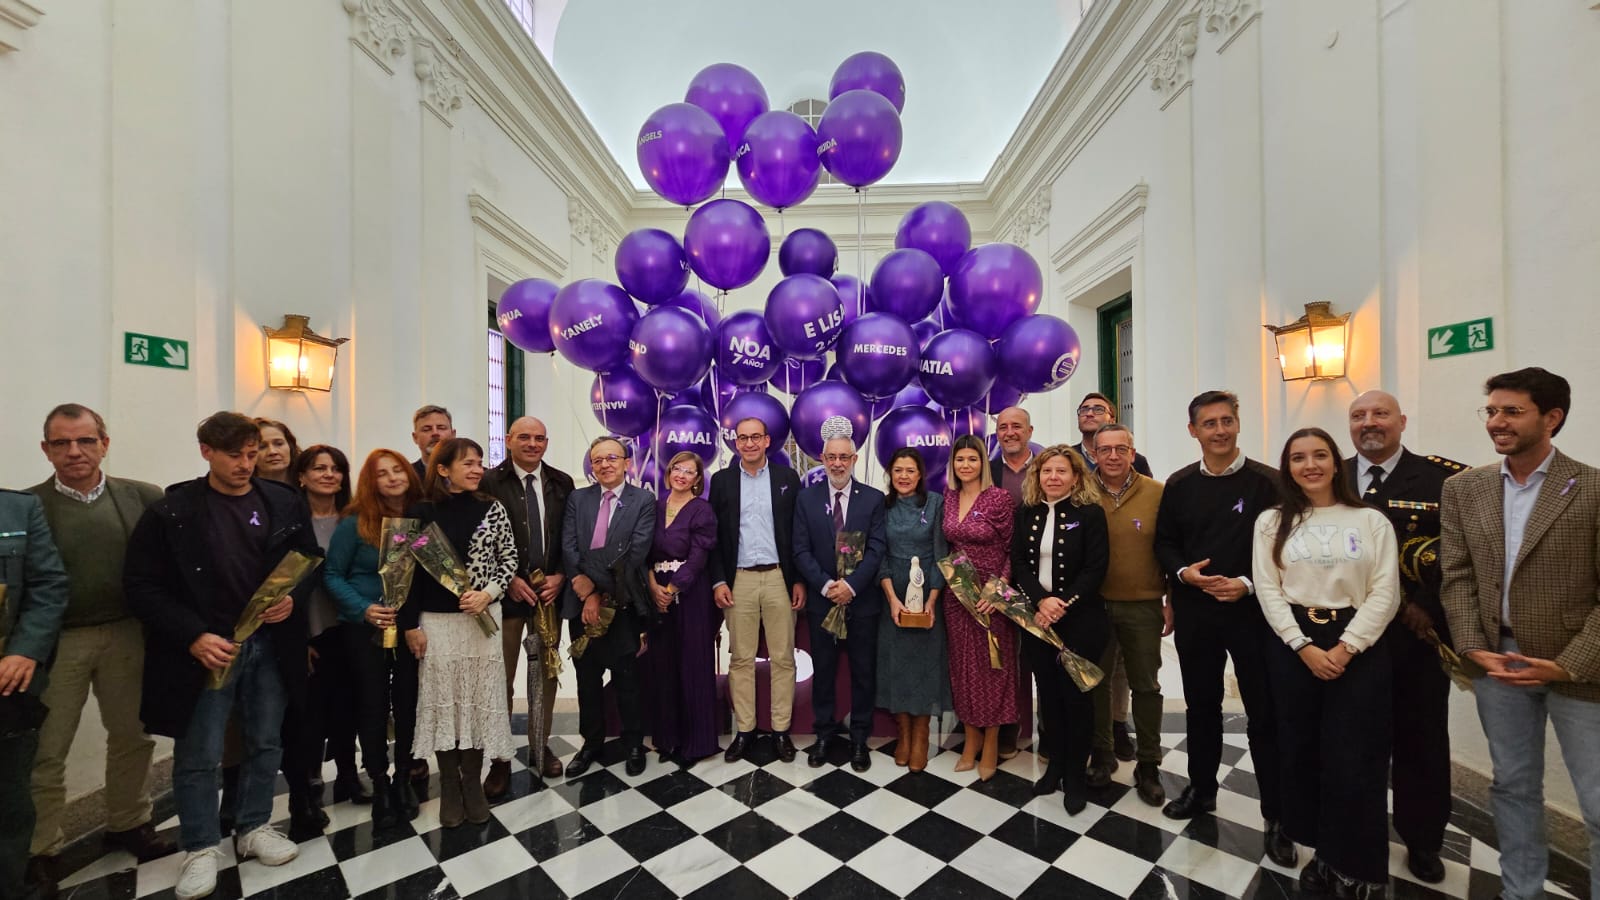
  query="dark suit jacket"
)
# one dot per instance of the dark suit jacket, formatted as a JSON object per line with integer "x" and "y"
{"x": 1555, "y": 579}
{"x": 502, "y": 483}
{"x": 816, "y": 558}
{"x": 1416, "y": 479}
{"x": 35, "y": 581}
{"x": 628, "y": 537}
{"x": 725, "y": 503}
{"x": 1080, "y": 553}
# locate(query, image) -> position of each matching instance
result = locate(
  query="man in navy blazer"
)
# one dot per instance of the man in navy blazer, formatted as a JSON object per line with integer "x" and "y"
{"x": 820, "y": 512}
{"x": 588, "y": 554}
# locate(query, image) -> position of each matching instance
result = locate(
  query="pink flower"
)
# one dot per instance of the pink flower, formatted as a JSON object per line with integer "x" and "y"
{"x": 421, "y": 541}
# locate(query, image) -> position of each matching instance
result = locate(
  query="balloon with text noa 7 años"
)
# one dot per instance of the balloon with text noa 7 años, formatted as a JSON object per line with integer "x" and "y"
{"x": 808, "y": 251}
{"x": 994, "y": 285}
{"x": 938, "y": 228}
{"x": 795, "y": 375}
{"x": 820, "y": 402}
{"x": 908, "y": 283}
{"x": 958, "y": 368}
{"x": 804, "y": 315}
{"x": 622, "y": 402}
{"x": 919, "y": 428}
{"x": 671, "y": 348}
{"x": 683, "y": 153}
{"x": 590, "y": 323}
{"x": 686, "y": 428}
{"x": 732, "y": 95}
{"x": 651, "y": 265}
{"x": 523, "y": 314}
{"x": 700, "y": 305}
{"x": 870, "y": 70}
{"x": 746, "y": 353}
{"x": 767, "y": 408}
{"x": 861, "y": 136}
{"x": 877, "y": 355}
{"x": 1041, "y": 353}
{"x": 777, "y": 161}
{"x": 728, "y": 244}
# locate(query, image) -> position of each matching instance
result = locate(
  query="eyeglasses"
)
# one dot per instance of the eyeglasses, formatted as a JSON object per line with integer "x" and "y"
{"x": 83, "y": 443}
{"x": 1511, "y": 412}
{"x": 686, "y": 471}
{"x": 748, "y": 438}
{"x": 1114, "y": 450}
{"x": 611, "y": 458}
{"x": 838, "y": 457}
{"x": 1095, "y": 410}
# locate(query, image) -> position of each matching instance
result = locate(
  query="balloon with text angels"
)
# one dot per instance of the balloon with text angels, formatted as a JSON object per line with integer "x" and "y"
{"x": 623, "y": 402}
{"x": 958, "y": 368}
{"x": 728, "y": 244}
{"x": 804, "y": 315}
{"x": 590, "y": 323}
{"x": 746, "y": 353}
{"x": 820, "y": 402}
{"x": 861, "y": 136}
{"x": 1041, "y": 353}
{"x": 994, "y": 285}
{"x": 795, "y": 375}
{"x": 683, "y": 153}
{"x": 877, "y": 355}
{"x": 908, "y": 283}
{"x": 919, "y": 428}
{"x": 686, "y": 428}
{"x": 767, "y": 408}
{"x": 939, "y": 229}
{"x": 777, "y": 161}
{"x": 808, "y": 251}
{"x": 732, "y": 95}
{"x": 651, "y": 265}
{"x": 870, "y": 71}
{"x": 671, "y": 348}
{"x": 523, "y": 314}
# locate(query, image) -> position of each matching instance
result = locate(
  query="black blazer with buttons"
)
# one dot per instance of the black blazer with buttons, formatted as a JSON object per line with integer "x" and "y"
{"x": 1080, "y": 554}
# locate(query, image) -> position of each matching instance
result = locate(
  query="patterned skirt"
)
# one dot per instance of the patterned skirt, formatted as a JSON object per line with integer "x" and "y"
{"x": 983, "y": 696}
{"x": 461, "y": 694}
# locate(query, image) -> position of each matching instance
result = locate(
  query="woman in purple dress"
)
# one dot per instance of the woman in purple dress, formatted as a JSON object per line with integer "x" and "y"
{"x": 978, "y": 518}
{"x": 680, "y": 662}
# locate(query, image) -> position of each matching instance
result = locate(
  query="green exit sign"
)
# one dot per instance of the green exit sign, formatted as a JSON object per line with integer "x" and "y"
{"x": 153, "y": 350}
{"x": 1461, "y": 337}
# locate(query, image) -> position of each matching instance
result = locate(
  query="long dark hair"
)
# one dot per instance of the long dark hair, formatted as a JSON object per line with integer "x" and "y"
{"x": 921, "y": 490}
{"x": 308, "y": 458}
{"x": 1293, "y": 503}
{"x": 434, "y": 486}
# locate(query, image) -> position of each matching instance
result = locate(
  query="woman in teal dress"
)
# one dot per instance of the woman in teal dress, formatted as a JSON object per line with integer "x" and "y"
{"x": 913, "y": 676}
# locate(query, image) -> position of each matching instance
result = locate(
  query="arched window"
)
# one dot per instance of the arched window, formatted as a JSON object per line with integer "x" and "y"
{"x": 523, "y": 11}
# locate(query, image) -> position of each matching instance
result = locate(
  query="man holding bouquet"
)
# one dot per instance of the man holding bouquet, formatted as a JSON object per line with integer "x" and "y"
{"x": 195, "y": 565}
{"x": 839, "y": 542}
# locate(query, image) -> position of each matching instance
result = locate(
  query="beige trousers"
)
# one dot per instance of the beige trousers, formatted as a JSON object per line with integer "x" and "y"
{"x": 760, "y": 599}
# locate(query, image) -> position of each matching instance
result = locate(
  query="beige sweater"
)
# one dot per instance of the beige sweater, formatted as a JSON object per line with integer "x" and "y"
{"x": 1133, "y": 573}
{"x": 1338, "y": 557}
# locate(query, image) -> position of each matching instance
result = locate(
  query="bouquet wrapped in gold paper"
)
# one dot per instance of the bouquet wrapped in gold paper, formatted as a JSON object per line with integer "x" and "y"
{"x": 1460, "y": 669}
{"x": 437, "y": 557}
{"x": 396, "y": 566}
{"x": 547, "y": 624}
{"x": 961, "y": 577}
{"x": 284, "y": 578}
{"x": 848, "y": 548}
{"x": 1010, "y": 602}
{"x": 580, "y": 644}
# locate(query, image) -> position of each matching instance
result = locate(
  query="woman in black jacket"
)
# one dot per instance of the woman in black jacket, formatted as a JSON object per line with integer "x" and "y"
{"x": 1058, "y": 560}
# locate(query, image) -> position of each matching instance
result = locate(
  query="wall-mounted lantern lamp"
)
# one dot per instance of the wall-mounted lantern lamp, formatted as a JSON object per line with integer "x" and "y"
{"x": 299, "y": 359}
{"x": 1314, "y": 345}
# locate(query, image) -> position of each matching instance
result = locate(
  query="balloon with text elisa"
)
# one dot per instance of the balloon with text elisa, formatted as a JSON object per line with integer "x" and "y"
{"x": 804, "y": 315}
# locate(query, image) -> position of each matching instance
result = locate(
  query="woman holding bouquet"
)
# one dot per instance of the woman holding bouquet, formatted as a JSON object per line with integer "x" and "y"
{"x": 913, "y": 671}
{"x": 1058, "y": 562}
{"x": 385, "y": 680}
{"x": 680, "y": 664}
{"x": 977, "y": 520}
{"x": 461, "y": 703}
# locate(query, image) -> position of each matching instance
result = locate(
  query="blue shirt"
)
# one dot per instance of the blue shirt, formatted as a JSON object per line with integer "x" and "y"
{"x": 758, "y": 533}
{"x": 1518, "y": 502}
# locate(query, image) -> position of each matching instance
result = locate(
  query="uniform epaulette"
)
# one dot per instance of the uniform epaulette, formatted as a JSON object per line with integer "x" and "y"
{"x": 1449, "y": 465}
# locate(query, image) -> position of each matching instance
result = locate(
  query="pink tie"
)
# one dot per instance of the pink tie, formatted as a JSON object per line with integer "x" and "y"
{"x": 603, "y": 519}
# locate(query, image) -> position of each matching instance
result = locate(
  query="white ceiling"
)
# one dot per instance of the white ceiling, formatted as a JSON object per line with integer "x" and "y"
{"x": 971, "y": 69}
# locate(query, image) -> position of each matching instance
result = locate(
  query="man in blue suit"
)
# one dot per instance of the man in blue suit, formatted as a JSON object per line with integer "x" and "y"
{"x": 820, "y": 512}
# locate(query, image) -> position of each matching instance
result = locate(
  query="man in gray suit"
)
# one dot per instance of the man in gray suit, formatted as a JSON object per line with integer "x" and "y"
{"x": 1521, "y": 570}
{"x": 606, "y": 532}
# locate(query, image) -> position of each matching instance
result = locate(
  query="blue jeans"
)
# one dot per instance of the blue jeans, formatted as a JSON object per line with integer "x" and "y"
{"x": 255, "y": 695}
{"x": 1514, "y": 723}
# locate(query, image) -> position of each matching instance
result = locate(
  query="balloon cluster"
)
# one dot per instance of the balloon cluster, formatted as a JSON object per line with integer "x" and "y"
{"x": 916, "y": 347}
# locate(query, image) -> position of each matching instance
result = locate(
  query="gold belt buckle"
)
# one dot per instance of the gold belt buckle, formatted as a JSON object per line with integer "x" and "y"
{"x": 1319, "y": 615}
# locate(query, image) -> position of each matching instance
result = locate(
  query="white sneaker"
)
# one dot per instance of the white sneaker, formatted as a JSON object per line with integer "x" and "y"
{"x": 268, "y": 845}
{"x": 198, "y": 877}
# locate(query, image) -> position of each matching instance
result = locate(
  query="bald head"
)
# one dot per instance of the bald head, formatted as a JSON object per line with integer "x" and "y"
{"x": 1376, "y": 425}
{"x": 526, "y": 441}
{"x": 1013, "y": 428}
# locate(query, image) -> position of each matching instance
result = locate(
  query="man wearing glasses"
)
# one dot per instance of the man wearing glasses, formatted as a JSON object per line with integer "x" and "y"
{"x": 1521, "y": 590}
{"x": 1094, "y": 410}
{"x": 754, "y": 584}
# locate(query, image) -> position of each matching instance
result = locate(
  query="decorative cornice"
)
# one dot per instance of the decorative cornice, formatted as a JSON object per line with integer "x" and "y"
{"x": 589, "y": 227}
{"x": 505, "y": 229}
{"x": 16, "y": 16}
{"x": 443, "y": 91}
{"x": 1033, "y": 218}
{"x": 1228, "y": 18}
{"x": 379, "y": 29}
{"x": 1129, "y": 206}
{"x": 1104, "y": 246}
{"x": 1171, "y": 68}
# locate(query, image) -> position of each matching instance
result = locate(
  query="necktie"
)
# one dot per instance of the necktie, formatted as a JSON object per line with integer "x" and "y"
{"x": 1377, "y": 481}
{"x": 838, "y": 511}
{"x": 602, "y": 520}
{"x": 535, "y": 527}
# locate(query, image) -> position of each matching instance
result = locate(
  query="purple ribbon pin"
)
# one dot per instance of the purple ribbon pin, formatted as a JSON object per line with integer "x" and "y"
{"x": 1239, "y": 507}
{"x": 1071, "y": 525}
{"x": 1138, "y": 525}
{"x": 1570, "y": 483}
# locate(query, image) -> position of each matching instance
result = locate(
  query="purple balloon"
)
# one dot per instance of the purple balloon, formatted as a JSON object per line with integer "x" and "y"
{"x": 699, "y": 304}
{"x": 939, "y": 229}
{"x": 968, "y": 420}
{"x": 683, "y": 153}
{"x": 746, "y": 353}
{"x": 685, "y": 428}
{"x": 993, "y": 286}
{"x": 727, "y": 243}
{"x": 716, "y": 392}
{"x": 999, "y": 398}
{"x": 804, "y": 315}
{"x": 777, "y": 161}
{"x": 523, "y": 314}
{"x": 861, "y": 135}
{"x": 994, "y": 447}
{"x": 958, "y": 368}
{"x": 590, "y": 323}
{"x": 1041, "y": 353}
{"x": 767, "y": 408}
{"x": 878, "y": 355}
{"x": 808, "y": 251}
{"x": 671, "y": 348}
{"x": 853, "y": 293}
{"x": 908, "y": 283}
{"x": 795, "y": 375}
{"x": 870, "y": 71}
{"x": 820, "y": 402}
{"x": 910, "y": 395}
{"x": 946, "y": 315}
{"x": 814, "y": 475}
{"x": 777, "y": 456}
{"x": 925, "y": 330}
{"x": 732, "y": 95}
{"x": 919, "y": 428}
{"x": 651, "y": 265}
{"x": 622, "y": 402}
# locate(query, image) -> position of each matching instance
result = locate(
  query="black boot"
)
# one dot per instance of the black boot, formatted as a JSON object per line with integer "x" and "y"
{"x": 384, "y": 811}
{"x": 306, "y": 821}
{"x": 348, "y": 787}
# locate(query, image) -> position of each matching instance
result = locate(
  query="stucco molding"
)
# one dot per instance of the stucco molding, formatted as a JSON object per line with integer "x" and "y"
{"x": 1031, "y": 219}
{"x": 590, "y": 228}
{"x": 378, "y": 29}
{"x": 16, "y": 17}
{"x": 1104, "y": 245}
{"x": 493, "y": 222}
{"x": 1229, "y": 18}
{"x": 1171, "y": 67}
{"x": 443, "y": 91}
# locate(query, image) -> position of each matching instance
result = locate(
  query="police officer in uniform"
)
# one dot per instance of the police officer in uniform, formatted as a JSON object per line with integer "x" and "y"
{"x": 1406, "y": 487}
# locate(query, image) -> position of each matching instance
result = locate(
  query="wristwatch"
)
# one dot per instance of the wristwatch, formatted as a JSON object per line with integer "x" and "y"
{"x": 1349, "y": 648}
{"x": 1299, "y": 643}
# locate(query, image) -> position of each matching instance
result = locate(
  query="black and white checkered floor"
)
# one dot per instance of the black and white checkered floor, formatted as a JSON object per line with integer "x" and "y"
{"x": 761, "y": 828}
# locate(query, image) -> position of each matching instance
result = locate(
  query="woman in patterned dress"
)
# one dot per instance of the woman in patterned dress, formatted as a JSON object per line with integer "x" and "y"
{"x": 978, "y": 518}
{"x": 461, "y": 702}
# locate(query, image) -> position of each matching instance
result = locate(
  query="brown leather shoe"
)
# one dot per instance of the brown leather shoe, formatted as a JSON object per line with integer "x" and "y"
{"x": 499, "y": 781}
{"x": 142, "y": 842}
{"x": 552, "y": 764}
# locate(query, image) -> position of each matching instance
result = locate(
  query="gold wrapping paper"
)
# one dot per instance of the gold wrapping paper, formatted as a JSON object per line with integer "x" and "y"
{"x": 396, "y": 568}
{"x": 547, "y": 622}
{"x": 1013, "y": 605}
{"x": 435, "y": 554}
{"x": 284, "y": 578}
{"x": 590, "y": 632}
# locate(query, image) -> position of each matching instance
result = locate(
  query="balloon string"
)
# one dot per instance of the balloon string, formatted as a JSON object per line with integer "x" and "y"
{"x": 561, "y": 381}
{"x": 861, "y": 265}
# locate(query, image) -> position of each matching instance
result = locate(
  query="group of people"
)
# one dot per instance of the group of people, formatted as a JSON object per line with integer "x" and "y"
{"x": 1330, "y": 583}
